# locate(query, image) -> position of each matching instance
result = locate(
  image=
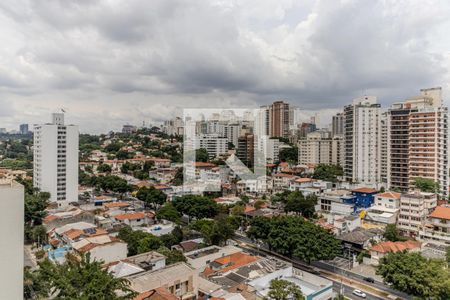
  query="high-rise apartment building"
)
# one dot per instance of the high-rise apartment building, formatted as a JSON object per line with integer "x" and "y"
{"x": 213, "y": 143}
{"x": 23, "y": 129}
{"x": 362, "y": 141}
{"x": 246, "y": 149}
{"x": 417, "y": 135}
{"x": 337, "y": 150}
{"x": 11, "y": 226}
{"x": 271, "y": 149}
{"x": 316, "y": 148}
{"x": 262, "y": 122}
{"x": 279, "y": 119}
{"x": 337, "y": 125}
{"x": 56, "y": 160}
{"x": 294, "y": 117}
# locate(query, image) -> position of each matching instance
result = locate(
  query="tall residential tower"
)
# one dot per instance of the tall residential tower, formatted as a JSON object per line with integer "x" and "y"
{"x": 56, "y": 160}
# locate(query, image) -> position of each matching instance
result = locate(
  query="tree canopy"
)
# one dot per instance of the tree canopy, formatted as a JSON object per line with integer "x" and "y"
{"x": 196, "y": 206}
{"x": 328, "y": 172}
{"x": 218, "y": 231}
{"x": 201, "y": 155}
{"x": 416, "y": 275}
{"x": 168, "y": 212}
{"x": 391, "y": 233}
{"x": 294, "y": 236}
{"x": 151, "y": 196}
{"x": 426, "y": 185}
{"x": 75, "y": 279}
{"x": 281, "y": 289}
{"x": 299, "y": 204}
{"x": 289, "y": 154}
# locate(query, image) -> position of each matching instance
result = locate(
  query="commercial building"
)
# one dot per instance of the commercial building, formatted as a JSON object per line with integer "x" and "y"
{"x": 56, "y": 160}
{"x": 11, "y": 224}
{"x": 362, "y": 141}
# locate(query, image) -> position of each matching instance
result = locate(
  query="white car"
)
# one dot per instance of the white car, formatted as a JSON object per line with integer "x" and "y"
{"x": 359, "y": 293}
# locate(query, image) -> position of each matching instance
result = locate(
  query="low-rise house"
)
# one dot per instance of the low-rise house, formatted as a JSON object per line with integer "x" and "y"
{"x": 70, "y": 215}
{"x": 299, "y": 184}
{"x": 281, "y": 181}
{"x": 385, "y": 209}
{"x": 333, "y": 201}
{"x": 343, "y": 223}
{"x": 360, "y": 238}
{"x": 104, "y": 248}
{"x": 200, "y": 258}
{"x": 190, "y": 245}
{"x": 378, "y": 251}
{"x": 132, "y": 219}
{"x": 148, "y": 261}
{"x": 179, "y": 279}
{"x": 437, "y": 226}
{"x": 116, "y": 206}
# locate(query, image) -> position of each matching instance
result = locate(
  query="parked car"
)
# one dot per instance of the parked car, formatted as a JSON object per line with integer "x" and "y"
{"x": 359, "y": 293}
{"x": 369, "y": 279}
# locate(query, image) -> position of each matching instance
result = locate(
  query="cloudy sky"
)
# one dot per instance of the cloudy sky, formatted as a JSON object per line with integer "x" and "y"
{"x": 112, "y": 62}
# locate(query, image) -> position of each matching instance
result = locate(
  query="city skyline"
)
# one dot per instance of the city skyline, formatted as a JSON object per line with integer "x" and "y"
{"x": 107, "y": 71}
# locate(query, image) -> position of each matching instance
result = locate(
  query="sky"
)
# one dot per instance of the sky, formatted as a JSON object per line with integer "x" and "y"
{"x": 109, "y": 63}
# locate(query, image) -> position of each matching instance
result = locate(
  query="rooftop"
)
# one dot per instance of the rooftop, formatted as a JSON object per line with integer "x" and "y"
{"x": 364, "y": 190}
{"x": 441, "y": 212}
{"x": 388, "y": 246}
{"x": 391, "y": 195}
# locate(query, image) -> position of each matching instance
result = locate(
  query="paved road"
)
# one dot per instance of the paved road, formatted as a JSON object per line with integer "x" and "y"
{"x": 347, "y": 291}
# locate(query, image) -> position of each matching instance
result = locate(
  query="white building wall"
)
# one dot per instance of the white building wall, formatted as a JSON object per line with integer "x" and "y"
{"x": 110, "y": 252}
{"x": 11, "y": 242}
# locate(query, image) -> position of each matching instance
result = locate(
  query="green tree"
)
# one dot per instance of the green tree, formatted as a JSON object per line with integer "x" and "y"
{"x": 139, "y": 241}
{"x": 151, "y": 196}
{"x": 75, "y": 279}
{"x": 447, "y": 255}
{"x": 216, "y": 232}
{"x": 416, "y": 275}
{"x": 196, "y": 206}
{"x": 168, "y": 212}
{"x": 35, "y": 205}
{"x": 426, "y": 185}
{"x": 294, "y": 236}
{"x": 281, "y": 289}
{"x": 201, "y": 155}
{"x": 328, "y": 172}
{"x": 299, "y": 204}
{"x": 391, "y": 233}
{"x": 172, "y": 256}
{"x": 104, "y": 168}
{"x": 289, "y": 154}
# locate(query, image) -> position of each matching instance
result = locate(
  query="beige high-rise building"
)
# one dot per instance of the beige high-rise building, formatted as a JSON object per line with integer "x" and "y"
{"x": 417, "y": 142}
{"x": 316, "y": 148}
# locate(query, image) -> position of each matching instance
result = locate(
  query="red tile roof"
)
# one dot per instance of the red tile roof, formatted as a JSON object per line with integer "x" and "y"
{"x": 364, "y": 190}
{"x": 303, "y": 180}
{"x": 231, "y": 262}
{"x": 392, "y": 195}
{"x": 116, "y": 204}
{"x": 441, "y": 212}
{"x": 158, "y": 293}
{"x": 386, "y": 247}
{"x": 130, "y": 216}
{"x": 284, "y": 175}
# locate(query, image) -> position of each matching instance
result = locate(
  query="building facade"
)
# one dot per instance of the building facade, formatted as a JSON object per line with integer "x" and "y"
{"x": 362, "y": 141}
{"x": 279, "y": 119}
{"x": 11, "y": 273}
{"x": 55, "y": 165}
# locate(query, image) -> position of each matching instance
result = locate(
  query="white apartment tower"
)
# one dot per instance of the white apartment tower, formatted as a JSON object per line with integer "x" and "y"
{"x": 362, "y": 141}
{"x": 56, "y": 160}
{"x": 316, "y": 148}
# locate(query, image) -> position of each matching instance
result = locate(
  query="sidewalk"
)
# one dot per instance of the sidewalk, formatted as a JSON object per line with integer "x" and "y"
{"x": 28, "y": 257}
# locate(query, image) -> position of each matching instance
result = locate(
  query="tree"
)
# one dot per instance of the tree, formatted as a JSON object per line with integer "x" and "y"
{"x": 294, "y": 236}
{"x": 168, "y": 212}
{"x": 328, "y": 172}
{"x": 299, "y": 204}
{"x": 216, "y": 232}
{"x": 75, "y": 279}
{"x": 447, "y": 255}
{"x": 148, "y": 243}
{"x": 35, "y": 205}
{"x": 392, "y": 234}
{"x": 426, "y": 185}
{"x": 38, "y": 234}
{"x": 196, "y": 206}
{"x": 289, "y": 154}
{"x": 201, "y": 155}
{"x": 416, "y": 275}
{"x": 104, "y": 168}
{"x": 281, "y": 289}
{"x": 151, "y": 196}
{"x": 172, "y": 256}
{"x": 139, "y": 241}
